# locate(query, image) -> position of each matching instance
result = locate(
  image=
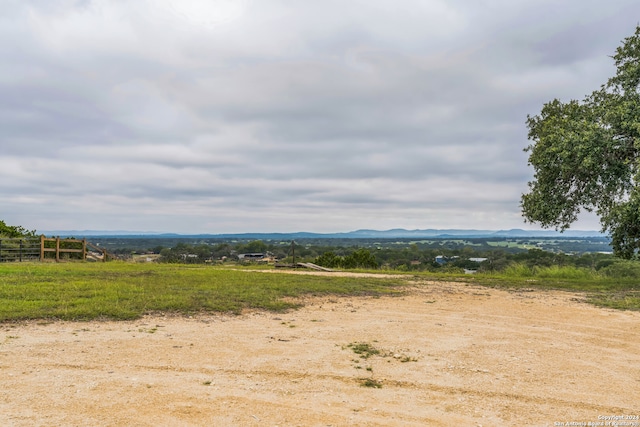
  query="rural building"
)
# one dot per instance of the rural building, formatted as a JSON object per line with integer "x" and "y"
{"x": 442, "y": 260}
{"x": 251, "y": 256}
{"x": 257, "y": 257}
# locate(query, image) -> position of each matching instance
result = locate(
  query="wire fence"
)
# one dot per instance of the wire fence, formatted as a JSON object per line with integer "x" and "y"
{"x": 20, "y": 249}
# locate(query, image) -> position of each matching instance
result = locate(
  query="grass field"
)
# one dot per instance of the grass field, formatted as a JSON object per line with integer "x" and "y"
{"x": 117, "y": 290}
{"x": 81, "y": 291}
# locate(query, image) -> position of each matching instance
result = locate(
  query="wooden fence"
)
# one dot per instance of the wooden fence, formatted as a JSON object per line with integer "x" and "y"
{"x": 49, "y": 249}
{"x": 62, "y": 249}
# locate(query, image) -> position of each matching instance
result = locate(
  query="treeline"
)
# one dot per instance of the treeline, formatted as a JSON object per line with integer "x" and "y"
{"x": 132, "y": 244}
{"x": 454, "y": 255}
{"x": 410, "y": 258}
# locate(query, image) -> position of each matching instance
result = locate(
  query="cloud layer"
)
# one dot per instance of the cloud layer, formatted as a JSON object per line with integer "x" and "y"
{"x": 240, "y": 115}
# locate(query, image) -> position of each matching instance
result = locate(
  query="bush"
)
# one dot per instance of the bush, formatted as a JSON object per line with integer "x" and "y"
{"x": 564, "y": 272}
{"x": 329, "y": 260}
{"x": 14, "y": 231}
{"x": 361, "y": 258}
{"x": 622, "y": 269}
{"x": 518, "y": 270}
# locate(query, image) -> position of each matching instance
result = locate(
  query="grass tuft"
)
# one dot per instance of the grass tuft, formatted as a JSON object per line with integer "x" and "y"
{"x": 363, "y": 349}
{"x": 370, "y": 382}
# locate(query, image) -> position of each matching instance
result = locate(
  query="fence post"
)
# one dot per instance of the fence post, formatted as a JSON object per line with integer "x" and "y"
{"x": 0, "y": 250}
{"x": 21, "y": 249}
{"x": 84, "y": 249}
{"x": 57, "y": 249}
{"x": 42, "y": 248}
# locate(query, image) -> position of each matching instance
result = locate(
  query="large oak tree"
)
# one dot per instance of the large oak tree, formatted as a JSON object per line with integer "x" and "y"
{"x": 585, "y": 155}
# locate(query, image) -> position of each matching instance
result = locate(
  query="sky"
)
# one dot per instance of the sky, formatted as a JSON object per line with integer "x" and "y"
{"x": 232, "y": 116}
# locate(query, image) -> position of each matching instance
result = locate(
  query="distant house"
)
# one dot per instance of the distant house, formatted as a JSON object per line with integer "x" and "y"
{"x": 251, "y": 256}
{"x": 257, "y": 257}
{"x": 442, "y": 260}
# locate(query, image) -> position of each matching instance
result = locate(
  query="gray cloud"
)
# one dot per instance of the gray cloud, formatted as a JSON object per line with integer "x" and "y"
{"x": 226, "y": 116}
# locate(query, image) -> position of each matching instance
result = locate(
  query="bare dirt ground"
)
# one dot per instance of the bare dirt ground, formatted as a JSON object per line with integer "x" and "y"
{"x": 451, "y": 354}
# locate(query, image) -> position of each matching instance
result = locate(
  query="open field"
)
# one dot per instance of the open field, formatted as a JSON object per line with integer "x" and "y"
{"x": 119, "y": 290}
{"x": 447, "y": 354}
{"x": 450, "y": 354}
{"x": 116, "y": 290}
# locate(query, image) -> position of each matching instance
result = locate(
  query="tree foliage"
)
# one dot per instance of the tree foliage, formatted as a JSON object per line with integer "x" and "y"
{"x": 255, "y": 246}
{"x": 585, "y": 155}
{"x": 187, "y": 254}
{"x": 360, "y": 258}
{"x": 13, "y": 231}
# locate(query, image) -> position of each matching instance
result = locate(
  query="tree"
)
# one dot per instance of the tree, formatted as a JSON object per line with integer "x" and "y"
{"x": 13, "y": 231}
{"x": 586, "y": 155}
{"x": 329, "y": 259}
{"x": 361, "y": 258}
{"x": 255, "y": 246}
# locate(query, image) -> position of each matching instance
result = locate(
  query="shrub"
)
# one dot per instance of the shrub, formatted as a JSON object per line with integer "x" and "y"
{"x": 622, "y": 269}
{"x": 361, "y": 258}
{"x": 518, "y": 270}
{"x": 564, "y": 272}
{"x": 14, "y": 231}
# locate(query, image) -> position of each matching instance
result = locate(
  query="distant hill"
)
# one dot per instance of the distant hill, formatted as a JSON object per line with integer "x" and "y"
{"x": 548, "y": 233}
{"x": 397, "y": 233}
{"x": 473, "y": 233}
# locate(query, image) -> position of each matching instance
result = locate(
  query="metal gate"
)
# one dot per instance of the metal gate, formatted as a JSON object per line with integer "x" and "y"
{"x": 20, "y": 249}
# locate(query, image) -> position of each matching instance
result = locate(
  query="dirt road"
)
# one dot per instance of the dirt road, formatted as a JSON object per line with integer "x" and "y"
{"x": 450, "y": 354}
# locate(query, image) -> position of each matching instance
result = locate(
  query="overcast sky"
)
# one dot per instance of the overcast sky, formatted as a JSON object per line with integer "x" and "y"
{"x": 215, "y": 116}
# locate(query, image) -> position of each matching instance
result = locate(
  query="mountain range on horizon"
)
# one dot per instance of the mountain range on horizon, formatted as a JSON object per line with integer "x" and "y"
{"x": 357, "y": 234}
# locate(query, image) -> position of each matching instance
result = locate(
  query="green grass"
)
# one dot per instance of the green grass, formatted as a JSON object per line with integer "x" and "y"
{"x": 116, "y": 290}
{"x": 604, "y": 288}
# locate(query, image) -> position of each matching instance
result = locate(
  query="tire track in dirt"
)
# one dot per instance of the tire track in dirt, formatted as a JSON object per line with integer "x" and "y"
{"x": 297, "y": 377}
{"x": 483, "y": 356}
